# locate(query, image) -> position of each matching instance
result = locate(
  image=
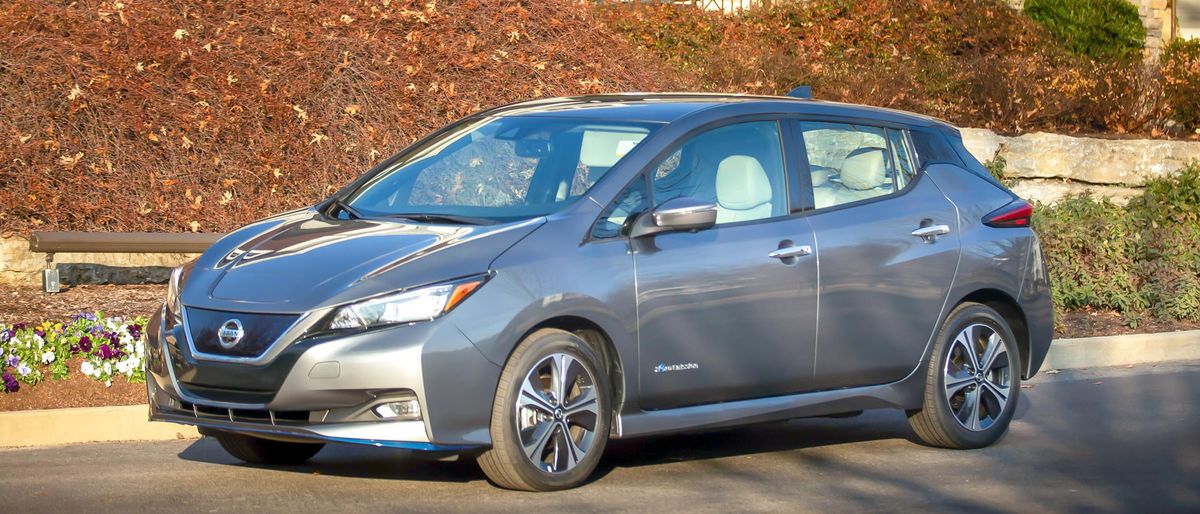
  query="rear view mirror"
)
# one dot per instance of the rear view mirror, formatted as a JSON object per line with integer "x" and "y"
{"x": 683, "y": 213}
{"x": 532, "y": 148}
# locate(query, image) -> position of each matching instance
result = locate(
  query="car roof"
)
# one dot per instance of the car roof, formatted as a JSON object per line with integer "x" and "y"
{"x": 669, "y": 107}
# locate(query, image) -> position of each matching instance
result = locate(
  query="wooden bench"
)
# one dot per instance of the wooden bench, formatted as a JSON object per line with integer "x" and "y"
{"x": 112, "y": 242}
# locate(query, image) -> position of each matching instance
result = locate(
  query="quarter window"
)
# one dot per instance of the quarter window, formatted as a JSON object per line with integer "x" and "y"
{"x": 905, "y": 170}
{"x": 617, "y": 218}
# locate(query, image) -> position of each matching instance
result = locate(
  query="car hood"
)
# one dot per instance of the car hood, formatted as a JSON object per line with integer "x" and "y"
{"x": 305, "y": 261}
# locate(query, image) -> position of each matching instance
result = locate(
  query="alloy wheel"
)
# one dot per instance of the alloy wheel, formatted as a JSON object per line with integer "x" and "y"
{"x": 977, "y": 377}
{"x": 557, "y": 411}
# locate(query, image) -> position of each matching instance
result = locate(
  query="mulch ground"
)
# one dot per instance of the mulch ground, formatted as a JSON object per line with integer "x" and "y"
{"x": 30, "y": 305}
{"x": 1088, "y": 323}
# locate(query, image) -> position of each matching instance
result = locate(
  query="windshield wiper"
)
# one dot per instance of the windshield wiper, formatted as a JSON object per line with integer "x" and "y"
{"x": 346, "y": 208}
{"x": 442, "y": 218}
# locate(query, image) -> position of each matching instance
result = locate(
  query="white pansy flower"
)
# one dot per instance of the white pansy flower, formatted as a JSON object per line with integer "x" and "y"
{"x": 87, "y": 368}
{"x": 47, "y": 357}
{"x": 107, "y": 368}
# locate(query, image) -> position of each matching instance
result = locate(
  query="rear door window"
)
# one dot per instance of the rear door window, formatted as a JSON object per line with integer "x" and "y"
{"x": 850, "y": 162}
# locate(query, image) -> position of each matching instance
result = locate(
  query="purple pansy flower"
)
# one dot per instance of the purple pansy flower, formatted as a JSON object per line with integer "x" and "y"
{"x": 12, "y": 360}
{"x": 10, "y": 383}
{"x": 106, "y": 352}
{"x": 85, "y": 344}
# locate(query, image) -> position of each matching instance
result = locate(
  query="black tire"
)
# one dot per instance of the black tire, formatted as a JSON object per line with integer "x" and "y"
{"x": 940, "y": 421}
{"x": 506, "y": 463}
{"x": 257, "y": 450}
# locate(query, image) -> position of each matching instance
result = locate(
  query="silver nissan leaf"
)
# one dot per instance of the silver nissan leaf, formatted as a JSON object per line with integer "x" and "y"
{"x": 536, "y": 279}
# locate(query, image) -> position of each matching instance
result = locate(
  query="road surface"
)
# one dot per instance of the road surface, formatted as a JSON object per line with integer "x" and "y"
{"x": 1113, "y": 440}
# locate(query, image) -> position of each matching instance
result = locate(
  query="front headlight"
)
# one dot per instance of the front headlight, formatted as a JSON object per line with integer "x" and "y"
{"x": 424, "y": 304}
{"x": 174, "y": 306}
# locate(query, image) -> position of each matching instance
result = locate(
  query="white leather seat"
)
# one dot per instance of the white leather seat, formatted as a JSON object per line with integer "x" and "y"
{"x": 863, "y": 176}
{"x": 743, "y": 190}
{"x": 823, "y": 192}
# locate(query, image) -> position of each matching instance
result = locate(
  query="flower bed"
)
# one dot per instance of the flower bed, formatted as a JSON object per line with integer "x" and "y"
{"x": 105, "y": 348}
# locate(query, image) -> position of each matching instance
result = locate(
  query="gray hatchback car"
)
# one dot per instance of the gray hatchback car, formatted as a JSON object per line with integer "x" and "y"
{"x": 536, "y": 279}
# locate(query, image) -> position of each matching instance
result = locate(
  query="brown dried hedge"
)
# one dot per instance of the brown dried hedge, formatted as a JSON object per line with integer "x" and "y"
{"x": 204, "y": 115}
{"x": 976, "y": 63}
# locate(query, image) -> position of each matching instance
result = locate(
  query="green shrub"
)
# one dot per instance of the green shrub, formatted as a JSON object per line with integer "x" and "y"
{"x": 1100, "y": 29}
{"x": 1181, "y": 81}
{"x": 1167, "y": 216}
{"x": 996, "y": 168}
{"x": 1090, "y": 252}
{"x": 1140, "y": 259}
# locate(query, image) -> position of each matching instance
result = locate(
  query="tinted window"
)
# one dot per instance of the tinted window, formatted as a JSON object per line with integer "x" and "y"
{"x": 932, "y": 147}
{"x": 738, "y": 167}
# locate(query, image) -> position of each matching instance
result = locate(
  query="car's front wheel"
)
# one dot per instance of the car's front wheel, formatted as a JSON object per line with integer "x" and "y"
{"x": 257, "y": 450}
{"x": 973, "y": 381}
{"x": 550, "y": 417}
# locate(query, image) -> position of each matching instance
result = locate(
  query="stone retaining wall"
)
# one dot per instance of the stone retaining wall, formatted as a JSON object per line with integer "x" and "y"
{"x": 1050, "y": 166}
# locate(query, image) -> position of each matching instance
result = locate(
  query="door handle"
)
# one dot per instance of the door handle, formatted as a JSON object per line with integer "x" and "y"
{"x": 791, "y": 251}
{"x": 931, "y": 231}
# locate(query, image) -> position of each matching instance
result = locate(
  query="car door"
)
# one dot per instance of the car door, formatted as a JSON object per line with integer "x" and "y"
{"x": 887, "y": 246}
{"x": 719, "y": 318}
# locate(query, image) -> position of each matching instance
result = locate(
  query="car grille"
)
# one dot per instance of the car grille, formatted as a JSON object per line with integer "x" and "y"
{"x": 259, "y": 331}
{"x": 246, "y": 415}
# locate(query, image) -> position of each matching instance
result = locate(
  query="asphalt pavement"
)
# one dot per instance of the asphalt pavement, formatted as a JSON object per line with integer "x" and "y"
{"x": 1111, "y": 440}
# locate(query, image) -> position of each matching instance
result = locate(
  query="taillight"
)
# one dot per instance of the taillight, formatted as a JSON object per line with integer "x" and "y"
{"x": 1018, "y": 213}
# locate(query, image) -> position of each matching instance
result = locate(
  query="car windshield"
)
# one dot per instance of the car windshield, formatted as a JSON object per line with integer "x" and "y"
{"x": 498, "y": 169}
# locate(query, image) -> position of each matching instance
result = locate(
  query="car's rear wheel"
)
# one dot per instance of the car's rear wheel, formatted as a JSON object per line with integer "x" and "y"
{"x": 257, "y": 450}
{"x": 973, "y": 382}
{"x": 551, "y": 415}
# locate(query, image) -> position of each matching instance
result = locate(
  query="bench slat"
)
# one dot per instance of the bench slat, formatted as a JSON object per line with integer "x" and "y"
{"x": 121, "y": 242}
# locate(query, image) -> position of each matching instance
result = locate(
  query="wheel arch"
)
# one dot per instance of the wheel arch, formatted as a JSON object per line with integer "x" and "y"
{"x": 1012, "y": 313}
{"x": 592, "y": 333}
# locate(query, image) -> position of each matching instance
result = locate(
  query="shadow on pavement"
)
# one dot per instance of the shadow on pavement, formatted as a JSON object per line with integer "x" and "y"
{"x": 387, "y": 463}
{"x": 355, "y": 461}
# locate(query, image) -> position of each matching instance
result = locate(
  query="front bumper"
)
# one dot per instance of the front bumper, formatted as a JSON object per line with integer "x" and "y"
{"x": 325, "y": 389}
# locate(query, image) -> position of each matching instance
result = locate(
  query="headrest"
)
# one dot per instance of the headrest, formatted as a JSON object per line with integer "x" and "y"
{"x": 820, "y": 176}
{"x": 741, "y": 183}
{"x": 863, "y": 169}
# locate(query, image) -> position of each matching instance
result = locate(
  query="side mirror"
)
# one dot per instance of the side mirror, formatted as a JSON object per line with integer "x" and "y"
{"x": 683, "y": 213}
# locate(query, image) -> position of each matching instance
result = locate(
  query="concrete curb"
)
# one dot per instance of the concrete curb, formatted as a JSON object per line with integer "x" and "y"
{"x": 129, "y": 423}
{"x": 85, "y": 425}
{"x": 1098, "y": 352}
